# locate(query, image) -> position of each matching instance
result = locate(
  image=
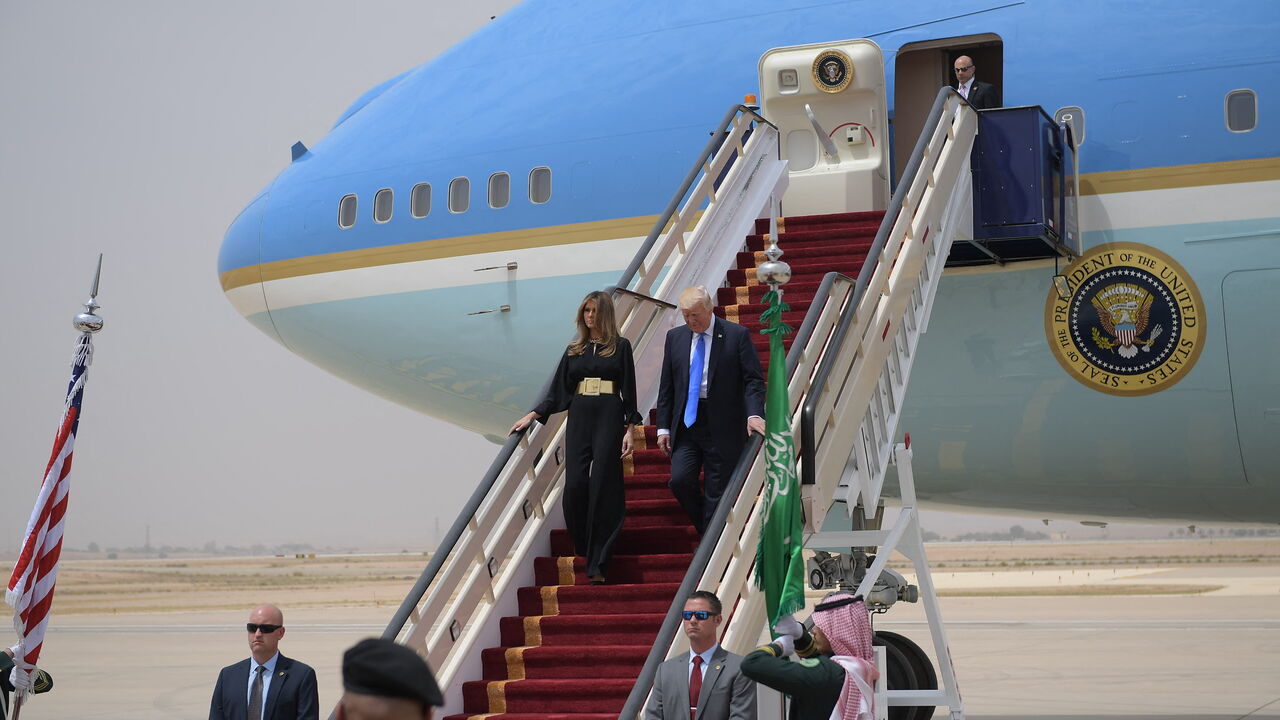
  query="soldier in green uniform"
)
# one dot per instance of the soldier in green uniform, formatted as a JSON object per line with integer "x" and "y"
{"x": 837, "y": 669}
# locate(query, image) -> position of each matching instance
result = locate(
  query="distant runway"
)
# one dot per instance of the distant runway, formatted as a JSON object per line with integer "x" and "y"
{"x": 1209, "y": 656}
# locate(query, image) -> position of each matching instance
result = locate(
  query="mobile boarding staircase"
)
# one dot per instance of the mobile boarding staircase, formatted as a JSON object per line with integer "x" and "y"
{"x": 503, "y": 612}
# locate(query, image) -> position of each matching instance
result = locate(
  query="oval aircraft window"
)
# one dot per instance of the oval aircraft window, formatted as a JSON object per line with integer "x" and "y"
{"x": 383, "y": 203}
{"x": 499, "y": 190}
{"x": 539, "y": 185}
{"x": 1242, "y": 110}
{"x": 347, "y": 211}
{"x": 459, "y": 195}
{"x": 420, "y": 200}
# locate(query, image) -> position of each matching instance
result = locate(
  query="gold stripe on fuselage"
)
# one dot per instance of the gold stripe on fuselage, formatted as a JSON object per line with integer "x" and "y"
{"x": 505, "y": 241}
{"x": 1180, "y": 176}
{"x": 1101, "y": 183}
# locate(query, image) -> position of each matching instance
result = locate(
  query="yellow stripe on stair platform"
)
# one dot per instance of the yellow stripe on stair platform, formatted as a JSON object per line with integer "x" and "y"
{"x": 565, "y": 567}
{"x": 550, "y": 599}
{"x": 638, "y": 440}
{"x": 744, "y": 295}
{"x": 533, "y": 630}
{"x": 731, "y": 313}
{"x": 515, "y": 663}
{"x": 497, "y": 691}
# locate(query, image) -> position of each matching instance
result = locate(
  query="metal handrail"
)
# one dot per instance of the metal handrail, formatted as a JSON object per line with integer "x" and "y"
{"x": 715, "y": 529}
{"x": 808, "y": 434}
{"x": 711, "y": 148}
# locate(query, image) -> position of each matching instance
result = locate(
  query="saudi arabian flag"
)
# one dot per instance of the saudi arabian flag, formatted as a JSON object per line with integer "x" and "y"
{"x": 779, "y": 563}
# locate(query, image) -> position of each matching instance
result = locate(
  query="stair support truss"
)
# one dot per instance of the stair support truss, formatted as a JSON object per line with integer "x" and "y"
{"x": 906, "y": 538}
{"x": 472, "y": 580}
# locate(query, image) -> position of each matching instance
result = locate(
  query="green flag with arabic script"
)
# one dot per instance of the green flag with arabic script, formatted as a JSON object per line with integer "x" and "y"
{"x": 779, "y": 562}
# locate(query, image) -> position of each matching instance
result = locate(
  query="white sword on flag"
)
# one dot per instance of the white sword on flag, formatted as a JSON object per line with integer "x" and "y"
{"x": 30, "y": 588}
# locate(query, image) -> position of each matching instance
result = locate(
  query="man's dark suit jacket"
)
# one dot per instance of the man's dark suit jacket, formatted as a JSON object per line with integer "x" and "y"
{"x": 292, "y": 695}
{"x": 983, "y": 96}
{"x": 735, "y": 386}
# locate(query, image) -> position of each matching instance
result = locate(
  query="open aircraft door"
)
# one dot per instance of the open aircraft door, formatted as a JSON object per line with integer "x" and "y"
{"x": 828, "y": 101}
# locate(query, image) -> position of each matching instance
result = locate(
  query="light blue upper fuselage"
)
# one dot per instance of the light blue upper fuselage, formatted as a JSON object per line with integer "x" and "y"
{"x": 616, "y": 99}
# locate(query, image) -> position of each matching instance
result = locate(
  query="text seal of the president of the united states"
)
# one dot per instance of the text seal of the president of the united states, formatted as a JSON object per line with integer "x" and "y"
{"x": 1134, "y": 321}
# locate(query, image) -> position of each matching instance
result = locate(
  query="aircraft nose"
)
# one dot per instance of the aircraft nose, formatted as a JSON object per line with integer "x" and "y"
{"x": 238, "y": 264}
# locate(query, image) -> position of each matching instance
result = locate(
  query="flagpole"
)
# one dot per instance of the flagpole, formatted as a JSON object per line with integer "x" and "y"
{"x": 37, "y": 564}
{"x": 779, "y": 555}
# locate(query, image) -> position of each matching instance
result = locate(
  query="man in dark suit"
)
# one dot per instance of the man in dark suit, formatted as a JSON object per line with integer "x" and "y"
{"x": 267, "y": 686}
{"x": 981, "y": 95}
{"x": 704, "y": 424}
{"x": 705, "y": 683}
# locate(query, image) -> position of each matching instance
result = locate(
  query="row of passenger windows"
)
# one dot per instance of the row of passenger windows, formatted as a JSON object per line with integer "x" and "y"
{"x": 459, "y": 197}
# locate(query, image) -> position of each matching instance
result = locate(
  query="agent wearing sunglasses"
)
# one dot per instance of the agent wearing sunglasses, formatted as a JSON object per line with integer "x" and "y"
{"x": 706, "y": 682}
{"x": 267, "y": 686}
{"x": 981, "y": 95}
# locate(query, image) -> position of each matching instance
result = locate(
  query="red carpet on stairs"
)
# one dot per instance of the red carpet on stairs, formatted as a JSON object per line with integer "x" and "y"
{"x": 575, "y": 650}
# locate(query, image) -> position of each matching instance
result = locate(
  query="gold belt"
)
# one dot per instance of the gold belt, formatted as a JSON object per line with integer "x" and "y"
{"x": 595, "y": 386}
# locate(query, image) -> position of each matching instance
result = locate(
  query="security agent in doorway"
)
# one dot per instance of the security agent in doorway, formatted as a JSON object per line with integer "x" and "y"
{"x": 981, "y": 95}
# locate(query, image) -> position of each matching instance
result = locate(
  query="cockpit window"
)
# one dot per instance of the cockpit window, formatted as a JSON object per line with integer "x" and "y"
{"x": 420, "y": 200}
{"x": 1242, "y": 110}
{"x": 499, "y": 190}
{"x": 459, "y": 195}
{"x": 383, "y": 204}
{"x": 347, "y": 211}
{"x": 540, "y": 185}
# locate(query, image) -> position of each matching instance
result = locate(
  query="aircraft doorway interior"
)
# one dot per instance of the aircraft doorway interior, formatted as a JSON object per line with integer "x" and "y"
{"x": 921, "y": 68}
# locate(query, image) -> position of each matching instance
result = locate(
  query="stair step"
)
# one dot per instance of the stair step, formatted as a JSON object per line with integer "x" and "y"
{"x": 639, "y": 540}
{"x": 623, "y": 570}
{"x": 602, "y": 695}
{"x": 572, "y": 630}
{"x": 848, "y": 266}
{"x": 596, "y": 599}
{"x": 806, "y": 221}
{"x": 537, "y": 716}
{"x": 551, "y": 663}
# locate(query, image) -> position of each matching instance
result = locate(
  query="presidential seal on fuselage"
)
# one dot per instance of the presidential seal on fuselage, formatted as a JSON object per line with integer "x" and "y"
{"x": 1134, "y": 321}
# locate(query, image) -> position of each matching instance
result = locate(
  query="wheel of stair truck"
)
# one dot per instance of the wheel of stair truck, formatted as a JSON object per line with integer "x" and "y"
{"x": 907, "y": 668}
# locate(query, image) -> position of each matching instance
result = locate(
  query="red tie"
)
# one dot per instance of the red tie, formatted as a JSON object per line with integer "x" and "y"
{"x": 695, "y": 686}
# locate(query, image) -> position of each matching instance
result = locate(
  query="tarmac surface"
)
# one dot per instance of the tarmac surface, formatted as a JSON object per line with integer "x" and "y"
{"x": 1208, "y": 654}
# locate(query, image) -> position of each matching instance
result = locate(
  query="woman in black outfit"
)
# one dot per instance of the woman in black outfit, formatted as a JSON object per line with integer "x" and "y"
{"x": 596, "y": 383}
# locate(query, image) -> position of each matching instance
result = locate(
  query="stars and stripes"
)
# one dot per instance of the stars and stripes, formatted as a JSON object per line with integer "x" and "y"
{"x": 30, "y": 589}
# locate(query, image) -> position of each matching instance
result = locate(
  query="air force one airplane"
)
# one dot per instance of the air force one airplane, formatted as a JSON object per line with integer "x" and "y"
{"x": 432, "y": 247}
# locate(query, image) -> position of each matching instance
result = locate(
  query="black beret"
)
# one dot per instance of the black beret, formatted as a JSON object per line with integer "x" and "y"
{"x": 386, "y": 669}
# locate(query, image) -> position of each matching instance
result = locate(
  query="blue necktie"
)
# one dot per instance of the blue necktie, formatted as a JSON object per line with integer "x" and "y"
{"x": 695, "y": 381}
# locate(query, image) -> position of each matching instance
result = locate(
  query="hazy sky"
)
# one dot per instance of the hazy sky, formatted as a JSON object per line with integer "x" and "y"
{"x": 140, "y": 129}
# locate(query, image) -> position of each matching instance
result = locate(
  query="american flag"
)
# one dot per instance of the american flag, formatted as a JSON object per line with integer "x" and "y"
{"x": 30, "y": 589}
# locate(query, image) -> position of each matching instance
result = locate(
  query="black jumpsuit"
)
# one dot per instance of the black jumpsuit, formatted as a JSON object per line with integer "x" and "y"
{"x": 594, "y": 502}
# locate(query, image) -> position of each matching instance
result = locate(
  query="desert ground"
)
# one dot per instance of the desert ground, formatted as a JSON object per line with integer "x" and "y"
{"x": 1178, "y": 628}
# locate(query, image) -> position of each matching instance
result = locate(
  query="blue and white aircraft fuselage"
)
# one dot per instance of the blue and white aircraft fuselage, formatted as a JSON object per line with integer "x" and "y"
{"x": 368, "y": 257}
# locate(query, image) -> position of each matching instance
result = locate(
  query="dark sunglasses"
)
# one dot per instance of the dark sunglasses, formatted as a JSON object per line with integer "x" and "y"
{"x": 966, "y": 67}
{"x": 264, "y": 627}
{"x": 700, "y": 614}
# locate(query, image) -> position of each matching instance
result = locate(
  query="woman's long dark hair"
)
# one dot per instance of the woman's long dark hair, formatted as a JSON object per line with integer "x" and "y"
{"x": 606, "y": 325}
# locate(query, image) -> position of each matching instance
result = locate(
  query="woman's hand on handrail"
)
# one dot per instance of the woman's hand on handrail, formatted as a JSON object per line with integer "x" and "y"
{"x": 523, "y": 423}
